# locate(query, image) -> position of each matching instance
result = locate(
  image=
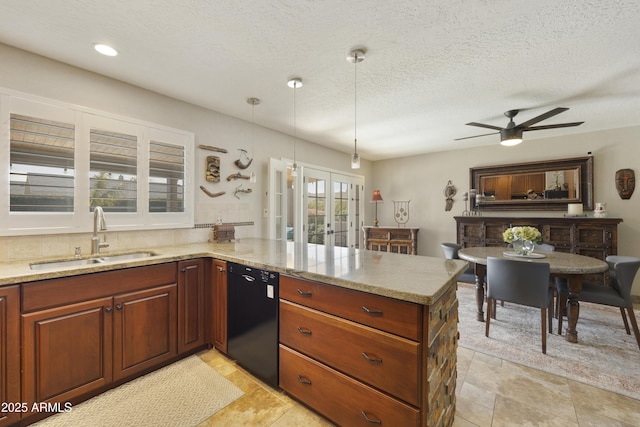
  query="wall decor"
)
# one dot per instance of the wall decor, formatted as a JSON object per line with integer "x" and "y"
{"x": 212, "y": 173}
{"x": 401, "y": 211}
{"x": 239, "y": 164}
{"x": 625, "y": 183}
{"x": 210, "y": 148}
{"x": 237, "y": 176}
{"x": 239, "y": 189}
{"x": 449, "y": 192}
{"x": 209, "y": 193}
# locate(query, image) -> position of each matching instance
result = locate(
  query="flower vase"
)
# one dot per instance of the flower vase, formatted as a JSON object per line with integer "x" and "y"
{"x": 523, "y": 247}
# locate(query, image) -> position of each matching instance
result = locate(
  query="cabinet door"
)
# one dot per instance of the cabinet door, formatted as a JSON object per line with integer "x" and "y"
{"x": 9, "y": 351}
{"x": 145, "y": 329}
{"x": 67, "y": 351}
{"x": 191, "y": 305}
{"x": 219, "y": 305}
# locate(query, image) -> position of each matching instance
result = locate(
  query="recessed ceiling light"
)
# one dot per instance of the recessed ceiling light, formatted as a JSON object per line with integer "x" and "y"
{"x": 105, "y": 50}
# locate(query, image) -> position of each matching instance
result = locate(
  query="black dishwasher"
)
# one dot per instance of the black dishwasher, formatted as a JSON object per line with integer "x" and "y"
{"x": 252, "y": 320}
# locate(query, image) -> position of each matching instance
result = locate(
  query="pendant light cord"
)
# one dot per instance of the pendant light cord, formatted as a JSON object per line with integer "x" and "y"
{"x": 295, "y": 85}
{"x": 355, "y": 104}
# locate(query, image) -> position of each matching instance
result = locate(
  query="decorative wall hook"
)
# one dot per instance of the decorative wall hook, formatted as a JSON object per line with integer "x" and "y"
{"x": 237, "y": 176}
{"x": 239, "y": 164}
{"x": 239, "y": 189}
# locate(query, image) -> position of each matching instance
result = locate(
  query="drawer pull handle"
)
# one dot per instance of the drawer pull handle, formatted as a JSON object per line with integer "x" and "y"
{"x": 372, "y": 359}
{"x": 372, "y": 312}
{"x": 370, "y": 420}
{"x": 304, "y": 331}
{"x": 304, "y": 380}
{"x": 118, "y": 306}
{"x": 304, "y": 293}
{"x": 108, "y": 309}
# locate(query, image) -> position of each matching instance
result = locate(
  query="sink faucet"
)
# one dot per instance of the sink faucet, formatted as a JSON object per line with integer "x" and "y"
{"x": 98, "y": 224}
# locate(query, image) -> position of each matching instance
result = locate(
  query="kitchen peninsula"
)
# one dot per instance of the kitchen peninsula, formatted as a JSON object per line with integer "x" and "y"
{"x": 405, "y": 306}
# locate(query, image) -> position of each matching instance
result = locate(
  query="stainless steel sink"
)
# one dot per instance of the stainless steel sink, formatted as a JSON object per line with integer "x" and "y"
{"x": 50, "y": 265}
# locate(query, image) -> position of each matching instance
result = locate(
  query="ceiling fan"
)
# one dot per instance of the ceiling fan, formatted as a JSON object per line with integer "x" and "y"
{"x": 512, "y": 134}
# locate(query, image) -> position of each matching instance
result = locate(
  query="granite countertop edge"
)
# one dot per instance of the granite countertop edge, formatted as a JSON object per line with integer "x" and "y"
{"x": 19, "y": 272}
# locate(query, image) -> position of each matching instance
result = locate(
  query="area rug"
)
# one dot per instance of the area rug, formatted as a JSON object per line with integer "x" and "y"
{"x": 182, "y": 394}
{"x": 605, "y": 356}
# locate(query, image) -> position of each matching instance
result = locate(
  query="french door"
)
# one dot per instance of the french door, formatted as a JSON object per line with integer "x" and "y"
{"x": 316, "y": 206}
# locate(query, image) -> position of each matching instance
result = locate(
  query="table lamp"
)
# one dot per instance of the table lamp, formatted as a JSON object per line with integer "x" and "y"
{"x": 376, "y": 198}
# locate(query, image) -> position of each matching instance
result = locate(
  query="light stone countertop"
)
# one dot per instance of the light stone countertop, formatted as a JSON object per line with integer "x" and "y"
{"x": 417, "y": 279}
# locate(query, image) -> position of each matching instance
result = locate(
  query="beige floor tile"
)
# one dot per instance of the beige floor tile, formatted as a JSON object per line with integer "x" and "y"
{"x": 256, "y": 408}
{"x": 595, "y": 403}
{"x": 471, "y": 411}
{"x": 511, "y": 412}
{"x": 300, "y": 416}
{"x": 477, "y": 395}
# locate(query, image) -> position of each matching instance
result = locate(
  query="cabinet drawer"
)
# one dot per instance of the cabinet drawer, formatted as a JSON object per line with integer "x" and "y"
{"x": 69, "y": 290}
{"x": 398, "y": 317}
{"x": 338, "y": 397}
{"x": 386, "y": 361}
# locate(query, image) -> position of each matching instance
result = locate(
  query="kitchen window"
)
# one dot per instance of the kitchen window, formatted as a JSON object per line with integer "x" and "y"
{"x": 64, "y": 160}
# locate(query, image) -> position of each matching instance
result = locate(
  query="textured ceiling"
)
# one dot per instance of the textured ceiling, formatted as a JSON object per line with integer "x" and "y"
{"x": 431, "y": 66}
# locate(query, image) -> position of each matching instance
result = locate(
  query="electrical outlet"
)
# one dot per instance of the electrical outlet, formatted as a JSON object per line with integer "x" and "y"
{"x": 219, "y": 220}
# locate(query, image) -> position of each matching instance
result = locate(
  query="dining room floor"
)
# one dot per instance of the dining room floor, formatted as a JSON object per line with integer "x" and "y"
{"x": 490, "y": 392}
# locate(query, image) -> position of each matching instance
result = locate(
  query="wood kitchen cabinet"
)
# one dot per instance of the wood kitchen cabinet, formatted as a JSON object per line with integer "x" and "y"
{"x": 9, "y": 352}
{"x": 82, "y": 333}
{"x": 219, "y": 305}
{"x": 191, "y": 305}
{"x": 361, "y": 359}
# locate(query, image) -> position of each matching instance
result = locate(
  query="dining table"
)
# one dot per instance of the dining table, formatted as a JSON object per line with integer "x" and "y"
{"x": 571, "y": 267}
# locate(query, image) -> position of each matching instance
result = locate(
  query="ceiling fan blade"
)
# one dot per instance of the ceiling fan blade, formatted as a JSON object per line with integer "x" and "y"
{"x": 476, "y": 136}
{"x": 482, "y": 125}
{"x": 542, "y": 117}
{"x": 559, "y": 125}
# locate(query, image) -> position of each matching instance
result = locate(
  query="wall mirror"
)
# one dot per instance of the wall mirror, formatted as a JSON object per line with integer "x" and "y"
{"x": 543, "y": 185}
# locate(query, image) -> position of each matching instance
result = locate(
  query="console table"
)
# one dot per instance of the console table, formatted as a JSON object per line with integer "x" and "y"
{"x": 594, "y": 237}
{"x": 391, "y": 239}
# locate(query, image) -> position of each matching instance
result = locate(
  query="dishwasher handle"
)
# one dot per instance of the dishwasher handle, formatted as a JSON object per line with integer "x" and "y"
{"x": 249, "y": 278}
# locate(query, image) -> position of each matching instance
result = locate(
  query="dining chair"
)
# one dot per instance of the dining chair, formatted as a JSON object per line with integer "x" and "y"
{"x": 539, "y": 247}
{"x": 523, "y": 283}
{"x": 622, "y": 271}
{"x": 450, "y": 251}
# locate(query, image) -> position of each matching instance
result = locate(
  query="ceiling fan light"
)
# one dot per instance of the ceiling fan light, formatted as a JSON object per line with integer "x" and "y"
{"x": 510, "y": 137}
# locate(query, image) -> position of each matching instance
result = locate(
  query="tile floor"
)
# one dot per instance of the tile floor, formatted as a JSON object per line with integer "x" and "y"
{"x": 490, "y": 392}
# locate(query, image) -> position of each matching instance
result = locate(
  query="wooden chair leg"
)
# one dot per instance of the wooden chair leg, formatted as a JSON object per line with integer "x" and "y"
{"x": 543, "y": 314}
{"x": 562, "y": 303}
{"x": 495, "y": 309}
{"x": 634, "y": 324}
{"x": 490, "y": 302}
{"x": 550, "y": 316}
{"x": 624, "y": 319}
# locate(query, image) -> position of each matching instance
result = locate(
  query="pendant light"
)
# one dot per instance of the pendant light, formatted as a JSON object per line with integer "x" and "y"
{"x": 294, "y": 83}
{"x": 355, "y": 56}
{"x": 253, "y": 102}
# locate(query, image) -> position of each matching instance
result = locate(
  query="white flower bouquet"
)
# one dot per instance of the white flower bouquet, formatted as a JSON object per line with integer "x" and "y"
{"x": 522, "y": 233}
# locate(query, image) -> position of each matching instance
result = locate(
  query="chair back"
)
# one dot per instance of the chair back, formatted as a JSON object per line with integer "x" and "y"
{"x": 521, "y": 282}
{"x": 622, "y": 271}
{"x": 544, "y": 247}
{"x": 450, "y": 250}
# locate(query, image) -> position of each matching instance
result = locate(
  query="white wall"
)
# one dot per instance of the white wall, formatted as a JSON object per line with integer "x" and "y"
{"x": 422, "y": 179}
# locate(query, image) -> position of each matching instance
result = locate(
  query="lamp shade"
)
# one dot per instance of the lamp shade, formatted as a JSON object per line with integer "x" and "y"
{"x": 376, "y": 197}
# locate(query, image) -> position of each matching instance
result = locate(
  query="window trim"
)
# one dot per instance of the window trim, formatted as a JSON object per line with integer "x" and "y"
{"x": 80, "y": 220}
